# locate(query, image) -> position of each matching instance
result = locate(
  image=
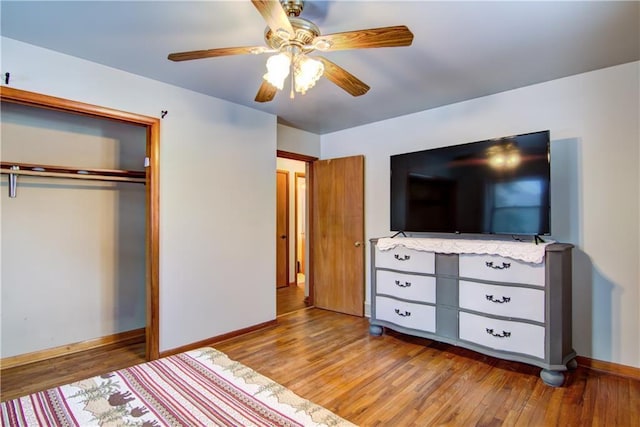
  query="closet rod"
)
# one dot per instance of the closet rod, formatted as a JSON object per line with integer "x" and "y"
{"x": 29, "y": 169}
{"x": 73, "y": 176}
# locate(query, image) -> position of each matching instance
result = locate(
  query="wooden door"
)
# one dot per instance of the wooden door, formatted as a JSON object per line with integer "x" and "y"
{"x": 282, "y": 229}
{"x": 338, "y": 234}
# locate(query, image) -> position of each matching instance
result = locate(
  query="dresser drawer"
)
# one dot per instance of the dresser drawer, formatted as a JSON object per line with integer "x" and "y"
{"x": 508, "y": 301}
{"x": 502, "y": 335}
{"x": 410, "y": 315}
{"x": 406, "y": 286}
{"x": 500, "y": 269}
{"x": 400, "y": 258}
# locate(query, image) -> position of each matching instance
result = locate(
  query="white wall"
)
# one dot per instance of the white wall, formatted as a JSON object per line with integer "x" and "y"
{"x": 594, "y": 124}
{"x": 298, "y": 141}
{"x": 214, "y": 221}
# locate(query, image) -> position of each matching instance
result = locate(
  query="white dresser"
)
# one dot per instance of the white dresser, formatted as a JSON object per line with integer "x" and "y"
{"x": 501, "y": 306}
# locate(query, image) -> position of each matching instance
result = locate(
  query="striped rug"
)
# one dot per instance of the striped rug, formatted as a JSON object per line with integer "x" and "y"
{"x": 196, "y": 388}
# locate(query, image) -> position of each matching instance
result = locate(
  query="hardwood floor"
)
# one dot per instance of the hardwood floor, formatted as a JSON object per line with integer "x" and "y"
{"x": 27, "y": 379}
{"x": 290, "y": 298}
{"x": 397, "y": 380}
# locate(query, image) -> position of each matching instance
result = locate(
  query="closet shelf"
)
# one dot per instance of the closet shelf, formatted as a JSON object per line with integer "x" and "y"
{"x": 72, "y": 173}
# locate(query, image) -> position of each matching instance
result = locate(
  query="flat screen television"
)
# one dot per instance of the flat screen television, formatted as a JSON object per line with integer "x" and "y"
{"x": 497, "y": 186}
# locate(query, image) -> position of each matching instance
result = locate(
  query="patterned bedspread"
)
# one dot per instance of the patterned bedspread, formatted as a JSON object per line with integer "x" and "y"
{"x": 196, "y": 388}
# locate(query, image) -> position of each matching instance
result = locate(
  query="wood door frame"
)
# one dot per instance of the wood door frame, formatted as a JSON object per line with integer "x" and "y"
{"x": 152, "y": 125}
{"x": 309, "y": 177}
{"x": 296, "y": 213}
{"x": 286, "y": 227}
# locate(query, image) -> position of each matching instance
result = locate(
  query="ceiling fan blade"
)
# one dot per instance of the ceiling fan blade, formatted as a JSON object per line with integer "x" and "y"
{"x": 364, "y": 39}
{"x": 342, "y": 78}
{"x": 274, "y": 14}
{"x": 266, "y": 92}
{"x": 212, "y": 53}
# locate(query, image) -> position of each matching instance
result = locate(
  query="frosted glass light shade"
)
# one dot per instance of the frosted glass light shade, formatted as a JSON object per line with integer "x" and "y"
{"x": 307, "y": 72}
{"x": 278, "y": 69}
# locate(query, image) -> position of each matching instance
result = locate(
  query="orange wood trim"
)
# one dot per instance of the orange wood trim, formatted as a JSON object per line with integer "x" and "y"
{"x": 9, "y": 94}
{"x": 287, "y": 227}
{"x": 295, "y": 156}
{"x": 153, "y": 241}
{"x": 122, "y": 338}
{"x": 210, "y": 341}
{"x": 296, "y": 213}
{"x": 609, "y": 367}
{"x": 33, "y": 99}
{"x": 309, "y": 274}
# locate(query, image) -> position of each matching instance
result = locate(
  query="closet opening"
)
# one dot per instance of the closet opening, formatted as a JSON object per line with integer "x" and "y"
{"x": 107, "y": 217}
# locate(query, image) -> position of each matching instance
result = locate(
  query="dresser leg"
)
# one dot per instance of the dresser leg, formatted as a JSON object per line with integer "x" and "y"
{"x": 375, "y": 330}
{"x": 552, "y": 378}
{"x": 572, "y": 364}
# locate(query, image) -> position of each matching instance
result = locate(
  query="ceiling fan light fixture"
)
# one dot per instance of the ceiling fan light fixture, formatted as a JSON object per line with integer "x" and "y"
{"x": 295, "y": 37}
{"x": 278, "y": 69}
{"x": 307, "y": 72}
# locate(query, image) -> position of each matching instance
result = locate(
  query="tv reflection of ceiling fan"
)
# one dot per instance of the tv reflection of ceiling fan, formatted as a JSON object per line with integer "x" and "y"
{"x": 291, "y": 38}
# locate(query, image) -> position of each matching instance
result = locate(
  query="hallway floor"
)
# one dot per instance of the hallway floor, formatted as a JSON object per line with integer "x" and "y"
{"x": 290, "y": 298}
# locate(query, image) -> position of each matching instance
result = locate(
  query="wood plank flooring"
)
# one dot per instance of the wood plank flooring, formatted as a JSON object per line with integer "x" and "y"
{"x": 27, "y": 379}
{"x": 290, "y": 298}
{"x": 397, "y": 380}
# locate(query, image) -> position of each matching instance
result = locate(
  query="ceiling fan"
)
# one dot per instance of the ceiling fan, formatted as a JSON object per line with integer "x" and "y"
{"x": 292, "y": 38}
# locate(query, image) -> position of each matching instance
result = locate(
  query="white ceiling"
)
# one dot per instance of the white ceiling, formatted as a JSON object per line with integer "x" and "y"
{"x": 461, "y": 50}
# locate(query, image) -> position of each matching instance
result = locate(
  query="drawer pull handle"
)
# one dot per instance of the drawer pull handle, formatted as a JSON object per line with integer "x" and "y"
{"x": 504, "y": 334}
{"x": 405, "y": 314}
{"x": 403, "y": 285}
{"x": 504, "y": 265}
{"x": 504, "y": 299}
{"x": 402, "y": 257}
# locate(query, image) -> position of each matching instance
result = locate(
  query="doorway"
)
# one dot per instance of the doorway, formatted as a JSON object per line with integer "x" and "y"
{"x": 292, "y": 187}
{"x": 333, "y": 260}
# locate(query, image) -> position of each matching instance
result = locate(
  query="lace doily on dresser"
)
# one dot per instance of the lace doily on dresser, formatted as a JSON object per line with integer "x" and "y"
{"x": 523, "y": 251}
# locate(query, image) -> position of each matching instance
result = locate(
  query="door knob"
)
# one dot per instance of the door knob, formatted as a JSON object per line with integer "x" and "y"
{"x": 358, "y": 244}
{"x": 284, "y": 236}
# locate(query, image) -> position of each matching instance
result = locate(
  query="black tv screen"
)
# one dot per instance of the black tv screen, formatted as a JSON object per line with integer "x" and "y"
{"x": 497, "y": 186}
